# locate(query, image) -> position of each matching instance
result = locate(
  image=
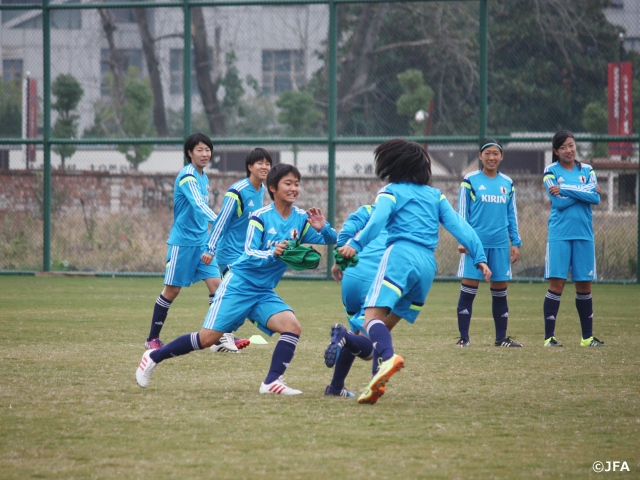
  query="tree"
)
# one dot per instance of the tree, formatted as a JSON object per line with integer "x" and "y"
{"x": 136, "y": 118}
{"x": 69, "y": 93}
{"x": 595, "y": 120}
{"x": 416, "y": 97}
{"x": 10, "y": 109}
{"x": 299, "y": 114}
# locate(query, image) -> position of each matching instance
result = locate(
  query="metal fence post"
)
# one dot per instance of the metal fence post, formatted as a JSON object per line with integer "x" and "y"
{"x": 46, "y": 143}
{"x": 484, "y": 68}
{"x": 333, "y": 120}
{"x": 186, "y": 71}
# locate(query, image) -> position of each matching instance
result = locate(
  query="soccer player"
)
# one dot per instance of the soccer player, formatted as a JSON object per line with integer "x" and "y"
{"x": 411, "y": 211}
{"x": 572, "y": 187}
{"x": 247, "y": 289}
{"x": 226, "y": 243}
{"x": 188, "y": 237}
{"x": 487, "y": 200}
{"x": 345, "y": 345}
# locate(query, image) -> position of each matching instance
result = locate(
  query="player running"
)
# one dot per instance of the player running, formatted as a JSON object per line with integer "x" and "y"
{"x": 188, "y": 236}
{"x": 487, "y": 200}
{"x": 411, "y": 211}
{"x": 247, "y": 290}
{"x": 572, "y": 187}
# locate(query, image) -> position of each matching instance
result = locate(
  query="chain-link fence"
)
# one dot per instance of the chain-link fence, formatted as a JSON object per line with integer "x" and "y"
{"x": 96, "y": 99}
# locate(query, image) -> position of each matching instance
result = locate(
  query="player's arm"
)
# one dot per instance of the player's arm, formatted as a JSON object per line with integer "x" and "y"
{"x": 317, "y": 230}
{"x": 189, "y": 187}
{"x": 354, "y": 223}
{"x": 465, "y": 197}
{"x": 254, "y": 241}
{"x": 558, "y": 202}
{"x": 385, "y": 204}
{"x": 230, "y": 206}
{"x": 461, "y": 230}
{"x": 512, "y": 219}
{"x": 582, "y": 193}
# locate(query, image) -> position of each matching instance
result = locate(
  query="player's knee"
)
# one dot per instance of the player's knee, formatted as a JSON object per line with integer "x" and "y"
{"x": 209, "y": 337}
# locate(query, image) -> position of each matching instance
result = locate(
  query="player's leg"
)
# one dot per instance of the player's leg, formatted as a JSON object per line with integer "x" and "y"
{"x": 557, "y": 260}
{"x": 583, "y": 271}
{"x": 471, "y": 277}
{"x": 286, "y": 324}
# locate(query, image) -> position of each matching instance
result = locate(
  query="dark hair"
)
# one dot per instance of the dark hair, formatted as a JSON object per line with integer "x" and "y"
{"x": 193, "y": 140}
{"x": 490, "y": 142}
{"x": 256, "y": 155}
{"x": 558, "y": 140}
{"x": 277, "y": 172}
{"x": 401, "y": 161}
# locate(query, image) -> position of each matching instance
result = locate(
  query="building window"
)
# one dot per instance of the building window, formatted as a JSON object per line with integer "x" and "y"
{"x": 627, "y": 189}
{"x": 122, "y": 15}
{"x": 282, "y": 70}
{"x": 11, "y": 70}
{"x": 125, "y": 58}
{"x": 176, "y": 61}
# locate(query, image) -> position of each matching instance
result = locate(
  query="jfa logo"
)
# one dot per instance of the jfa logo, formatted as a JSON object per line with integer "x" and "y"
{"x": 503, "y": 190}
{"x": 614, "y": 466}
{"x": 294, "y": 234}
{"x": 583, "y": 179}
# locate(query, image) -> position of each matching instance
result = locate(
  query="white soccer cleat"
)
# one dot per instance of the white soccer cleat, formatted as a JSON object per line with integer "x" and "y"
{"x": 145, "y": 369}
{"x": 278, "y": 387}
{"x": 226, "y": 344}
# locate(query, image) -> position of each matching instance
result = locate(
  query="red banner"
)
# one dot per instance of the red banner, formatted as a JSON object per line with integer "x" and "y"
{"x": 620, "y": 106}
{"x": 32, "y": 117}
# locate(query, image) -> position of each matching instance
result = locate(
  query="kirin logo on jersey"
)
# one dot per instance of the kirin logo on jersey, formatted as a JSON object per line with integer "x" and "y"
{"x": 493, "y": 199}
{"x": 503, "y": 190}
{"x": 293, "y": 234}
{"x": 582, "y": 179}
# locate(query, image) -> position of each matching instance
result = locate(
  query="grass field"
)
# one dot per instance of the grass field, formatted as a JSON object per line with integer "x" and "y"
{"x": 70, "y": 407}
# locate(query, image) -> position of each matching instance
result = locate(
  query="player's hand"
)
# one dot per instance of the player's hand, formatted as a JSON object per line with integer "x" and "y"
{"x": 461, "y": 249}
{"x": 280, "y": 248}
{"x": 598, "y": 189}
{"x": 347, "y": 252}
{"x": 206, "y": 258}
{"x": 316, "y": 218}
{"x": 515, "y": 254}
{"x": 486, "y": 273}
{"x": 555, "y": 190}
{"x": 336, "y": 273}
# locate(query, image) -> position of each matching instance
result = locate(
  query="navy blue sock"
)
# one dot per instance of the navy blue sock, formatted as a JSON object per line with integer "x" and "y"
{"x": 358, "y": 345}
{"x": 381, "y": 339}
{"x": 374, "y": 363}
{"x": 282, "y": 355}
{"x": 465, "y": 308}
{"x": 584, "y": 305}
{"x": 180, "y": 346}
{"x": 160, "y": 311}
{"x": 550, "y": 309}
{"x": 500, "y": 311}
{"x": 342, "y": 368}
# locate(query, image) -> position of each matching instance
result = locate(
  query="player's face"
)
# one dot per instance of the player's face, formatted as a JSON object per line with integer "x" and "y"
{"x": 567, "y": 152}
{"x": 259, "y": 170}
{"x": 288, "y": 189}
{"x": 491, "y": 158}
{"x": 200, "y": 156}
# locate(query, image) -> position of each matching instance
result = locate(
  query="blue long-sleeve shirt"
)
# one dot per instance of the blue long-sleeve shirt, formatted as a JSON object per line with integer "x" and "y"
{"x": 571, "y": 217}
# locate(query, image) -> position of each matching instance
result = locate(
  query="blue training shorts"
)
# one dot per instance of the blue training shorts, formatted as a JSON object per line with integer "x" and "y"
{"x": 498, "y": 259}
{"x": 580, "y": 255}
{"x": 185, "y": 267}
{"x": 403, "y": 280}
{"x": 354, "y": 292}
{"x": 235, "y": 301}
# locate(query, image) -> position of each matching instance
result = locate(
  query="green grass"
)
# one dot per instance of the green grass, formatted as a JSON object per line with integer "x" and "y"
{"x": 70, "y": 407}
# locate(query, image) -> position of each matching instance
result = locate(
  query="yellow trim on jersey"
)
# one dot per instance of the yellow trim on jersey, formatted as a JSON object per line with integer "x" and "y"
{"x": 305, "y": 230}
{"x": 256, "y": 224}
{"x": 392, "y": 287}
{"x": 442, "y": 197}
{"x": 237, "y": 199}
{"x": 388, "y": 195}
{"x": 548, "y": 176}
{"x": 415, "y": 307}
{"x": 368, "y": 208}
{"x": 168, "y": 264}
{"x": 189, "y": 178}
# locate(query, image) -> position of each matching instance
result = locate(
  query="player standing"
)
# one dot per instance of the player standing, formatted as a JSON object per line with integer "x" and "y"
{"x": 229, "y": 232}
{"x": 247, "y": 290}
{"x": 572, "y": 187}
{"x": 188, "y": 237}
{"x": 411, "y": 211}
{"x": 487, "y": 200}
